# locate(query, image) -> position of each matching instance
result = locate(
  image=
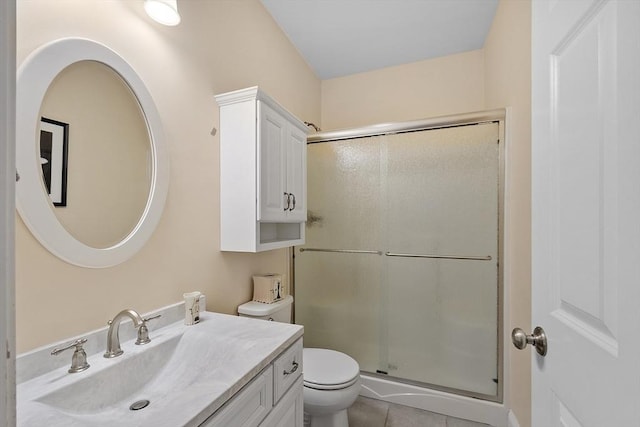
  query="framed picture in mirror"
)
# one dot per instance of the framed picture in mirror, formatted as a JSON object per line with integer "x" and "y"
{"x": 54, "y": 140}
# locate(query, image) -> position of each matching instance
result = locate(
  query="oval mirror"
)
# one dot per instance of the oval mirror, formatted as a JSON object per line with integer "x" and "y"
{"x": 97, "y": 203}
{"x": 95, "y": 153}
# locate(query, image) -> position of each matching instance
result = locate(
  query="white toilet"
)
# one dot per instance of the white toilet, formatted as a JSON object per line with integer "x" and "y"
{"x": 331, "y": 378}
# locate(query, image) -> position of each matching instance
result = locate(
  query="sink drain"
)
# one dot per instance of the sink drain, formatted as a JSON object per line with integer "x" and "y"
{"x": 140, "y": 404}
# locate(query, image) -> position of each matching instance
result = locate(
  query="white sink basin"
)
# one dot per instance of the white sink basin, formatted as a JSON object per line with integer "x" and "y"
{"x": 107, "y": 387}
{"x": 186, "y": 373}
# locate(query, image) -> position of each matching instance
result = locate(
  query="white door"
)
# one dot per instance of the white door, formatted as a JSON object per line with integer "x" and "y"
{"x": 272, "y": 155}
{"x": 297, "y": 174}
{"x": 586, "y": 212}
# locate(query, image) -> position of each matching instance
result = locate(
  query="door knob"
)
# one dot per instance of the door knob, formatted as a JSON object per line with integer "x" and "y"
{"x": 538, "y": 339}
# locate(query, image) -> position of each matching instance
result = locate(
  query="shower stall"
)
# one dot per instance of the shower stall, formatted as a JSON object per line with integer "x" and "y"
{"x": 402, "y": 263}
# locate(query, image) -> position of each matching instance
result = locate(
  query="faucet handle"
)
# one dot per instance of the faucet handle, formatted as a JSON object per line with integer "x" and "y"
{"x": 143, "y": 331}
{"x": 79, "y": 358}
{"x": 152, "y": 317}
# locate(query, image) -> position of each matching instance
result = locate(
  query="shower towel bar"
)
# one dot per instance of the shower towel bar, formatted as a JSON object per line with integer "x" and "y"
{"x": 394, "y": 254}
{"x": 473, "y": 258}
{"x": 342, "y": 251}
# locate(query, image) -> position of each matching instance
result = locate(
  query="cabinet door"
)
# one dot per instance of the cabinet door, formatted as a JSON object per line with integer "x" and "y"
{"x": 272, "y": 149}
{"x": 249, "y": 407}
{"x": 297, "y": 174}
{"x": 290, "y": 411}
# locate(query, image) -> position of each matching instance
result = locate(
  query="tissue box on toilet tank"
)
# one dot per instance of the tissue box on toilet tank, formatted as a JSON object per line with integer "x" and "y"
{"x": 268, "y": 288}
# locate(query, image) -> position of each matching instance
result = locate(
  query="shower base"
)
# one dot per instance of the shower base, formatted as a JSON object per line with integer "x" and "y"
{"x": 494, "y": 414}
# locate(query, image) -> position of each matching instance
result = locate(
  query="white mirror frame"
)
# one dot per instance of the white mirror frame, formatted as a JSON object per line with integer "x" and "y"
{"x": 34, "y": 78}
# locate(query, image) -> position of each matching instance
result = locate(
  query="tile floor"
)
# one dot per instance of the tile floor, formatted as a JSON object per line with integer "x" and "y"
{"x": 376, "y": 413}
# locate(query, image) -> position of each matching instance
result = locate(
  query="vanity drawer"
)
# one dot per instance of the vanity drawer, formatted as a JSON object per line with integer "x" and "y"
{"x": 249, "y": 407}
{"x": 286, "y": 369}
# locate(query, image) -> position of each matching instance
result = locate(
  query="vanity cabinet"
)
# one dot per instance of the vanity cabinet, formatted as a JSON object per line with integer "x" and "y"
{"x": 272, "y": 399}
{"x": 263, "y": 173}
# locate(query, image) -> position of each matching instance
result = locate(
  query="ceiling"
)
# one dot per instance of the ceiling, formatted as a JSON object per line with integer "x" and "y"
{"x": 343, "y": 37}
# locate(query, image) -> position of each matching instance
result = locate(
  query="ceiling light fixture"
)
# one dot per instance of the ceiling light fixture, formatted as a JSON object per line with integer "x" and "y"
{"x": 164, "y": 12}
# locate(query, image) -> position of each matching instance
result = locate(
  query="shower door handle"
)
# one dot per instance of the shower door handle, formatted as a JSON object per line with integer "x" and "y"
{"x": 538, "y": 339}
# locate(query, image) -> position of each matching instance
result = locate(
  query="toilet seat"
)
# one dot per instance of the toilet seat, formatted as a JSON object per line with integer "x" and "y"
{"x": 328, "y": 369}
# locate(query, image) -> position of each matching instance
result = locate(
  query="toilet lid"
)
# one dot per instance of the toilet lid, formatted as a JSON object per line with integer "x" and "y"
{"x": 325, "y": 368}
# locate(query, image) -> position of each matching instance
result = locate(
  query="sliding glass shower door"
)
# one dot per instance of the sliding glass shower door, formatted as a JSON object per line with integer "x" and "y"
{"x": 400, "y": 267}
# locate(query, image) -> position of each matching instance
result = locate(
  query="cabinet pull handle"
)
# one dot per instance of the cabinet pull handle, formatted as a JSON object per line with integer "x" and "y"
{"x": 292, "y": 370}
{"x": 294, "y": 202}
{"x": 288, "y": 196}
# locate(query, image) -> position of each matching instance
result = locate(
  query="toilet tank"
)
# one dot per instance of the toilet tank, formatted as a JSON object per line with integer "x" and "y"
{"x": 279, "y": 311}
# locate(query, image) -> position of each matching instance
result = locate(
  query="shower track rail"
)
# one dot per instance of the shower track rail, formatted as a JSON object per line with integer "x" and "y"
{"x": 467, "y": 257}
{"x": 341, "y": 251}
{"x": 401, "y": 255}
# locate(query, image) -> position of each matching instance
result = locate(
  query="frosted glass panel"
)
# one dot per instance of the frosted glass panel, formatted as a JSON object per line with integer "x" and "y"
{"x": 443, "y": 331}
{"x": 423, "y": 320}
{"x": 339, "y": 304}
{"x": 442, "y": 198}
{"x": 442, "y": 194}
{"x": 344, "y": 183}
{"x": 338, "y": 294}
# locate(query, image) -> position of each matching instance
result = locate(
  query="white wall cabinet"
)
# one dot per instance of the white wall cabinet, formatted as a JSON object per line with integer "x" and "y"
{"x": 263, "y": 173}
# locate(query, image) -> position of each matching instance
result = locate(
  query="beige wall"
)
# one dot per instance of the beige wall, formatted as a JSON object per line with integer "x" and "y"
{"x": 507, "y": 52}
{"x": 220, "y": 46}
{"x": 497, "y": 76}
{"x": 434, "y": 87}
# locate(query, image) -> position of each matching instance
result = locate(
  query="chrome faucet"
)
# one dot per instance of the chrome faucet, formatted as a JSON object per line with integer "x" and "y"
{"x": 113, "y": 340}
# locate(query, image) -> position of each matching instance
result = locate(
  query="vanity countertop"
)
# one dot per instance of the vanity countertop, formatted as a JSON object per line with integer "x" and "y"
{"x": 208, "y": 364}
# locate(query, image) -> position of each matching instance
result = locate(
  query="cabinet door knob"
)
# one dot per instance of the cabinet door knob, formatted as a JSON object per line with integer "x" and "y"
{"x": 288, "y": 196}
{"x": 294, "y": 202}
